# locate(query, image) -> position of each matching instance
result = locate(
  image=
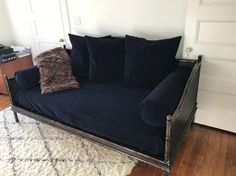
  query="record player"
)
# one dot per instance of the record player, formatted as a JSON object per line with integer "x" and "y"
{"x": 6, "y": 54}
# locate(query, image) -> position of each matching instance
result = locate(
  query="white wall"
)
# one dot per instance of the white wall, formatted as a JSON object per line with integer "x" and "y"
{"x": 20, "y": 22}
{"x": 152, "y": 19}
{"x": 5, "y": 28}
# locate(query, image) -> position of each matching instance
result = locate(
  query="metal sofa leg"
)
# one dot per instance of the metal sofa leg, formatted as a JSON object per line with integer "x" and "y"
{"x": 16, "y": 117}
{"x": 192, "y": 123}
{"x": 165, "y": 173}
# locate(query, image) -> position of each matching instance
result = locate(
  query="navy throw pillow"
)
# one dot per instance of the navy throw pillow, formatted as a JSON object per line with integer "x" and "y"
{"x": 79, "y": 56}
{"x": 28, "y": 78}
{"x": 106, "y": 57}
{"x": 148, "y": 62}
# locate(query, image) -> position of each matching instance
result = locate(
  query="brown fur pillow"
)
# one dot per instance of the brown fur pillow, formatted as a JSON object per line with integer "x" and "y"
{"x": 55, "y": 71}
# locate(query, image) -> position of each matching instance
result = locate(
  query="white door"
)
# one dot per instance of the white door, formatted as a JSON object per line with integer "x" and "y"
{"x": 49, "y": 23}
{"x": 211, "y": 31}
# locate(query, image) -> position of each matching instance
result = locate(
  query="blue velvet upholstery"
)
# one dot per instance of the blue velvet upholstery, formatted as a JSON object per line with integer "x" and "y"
{"x": 133, "y": 117}
{"x": 106, "y": 59}
{"x": 108, "y": 110}
{"x": 28, "y": 78}
{"x": 148, "y": 62}
{"x": 163, "y": 100}
{"x": 79, "y": 56}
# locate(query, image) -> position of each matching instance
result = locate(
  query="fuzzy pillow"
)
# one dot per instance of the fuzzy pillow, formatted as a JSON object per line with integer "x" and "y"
{"x": 55, "y": 71}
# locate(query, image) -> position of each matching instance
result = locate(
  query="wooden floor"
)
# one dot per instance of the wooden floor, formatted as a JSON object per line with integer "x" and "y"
{"x": 4, "y": 102}
{"x": 205, "y": 152}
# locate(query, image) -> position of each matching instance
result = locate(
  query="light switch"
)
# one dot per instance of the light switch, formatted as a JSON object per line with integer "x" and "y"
{"x": 77, "y": 20}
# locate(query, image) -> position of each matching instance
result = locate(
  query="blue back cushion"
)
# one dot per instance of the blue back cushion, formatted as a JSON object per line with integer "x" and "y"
{"x": 28, "y": 78}
{"x": 148, "y": 62}
{"x": 79, "y": 56}
{"x": 107, "y": 57}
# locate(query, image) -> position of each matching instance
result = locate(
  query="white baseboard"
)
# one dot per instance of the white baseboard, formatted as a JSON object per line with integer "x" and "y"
{"x": 225, "y": 120}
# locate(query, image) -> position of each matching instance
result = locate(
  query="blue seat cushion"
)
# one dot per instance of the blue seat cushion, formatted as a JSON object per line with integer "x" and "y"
{"x": 109, "y": 110}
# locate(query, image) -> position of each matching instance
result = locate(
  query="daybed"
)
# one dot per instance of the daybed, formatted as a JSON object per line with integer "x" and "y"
{"x": 148, "y": 124}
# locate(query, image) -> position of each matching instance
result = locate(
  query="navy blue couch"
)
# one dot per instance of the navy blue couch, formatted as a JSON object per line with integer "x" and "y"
{"x": 143, "y": 108}
{"x": 105, "y": 109}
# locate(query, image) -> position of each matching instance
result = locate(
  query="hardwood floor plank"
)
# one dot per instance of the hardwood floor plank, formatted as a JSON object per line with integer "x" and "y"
{"x": 184, "y": 157}
{"x": 215, "y": 157}
{"x": 230, "y": 159}
{"x": 4, "y": 102}
{"x": 197, "y": 154}
{"x": 205, "y": 152}
{"x": 143, "y": 168}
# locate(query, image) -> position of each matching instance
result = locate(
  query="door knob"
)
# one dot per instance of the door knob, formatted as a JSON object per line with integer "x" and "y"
{"x": 61, "y": 40}
{"x": 189, "y": 49}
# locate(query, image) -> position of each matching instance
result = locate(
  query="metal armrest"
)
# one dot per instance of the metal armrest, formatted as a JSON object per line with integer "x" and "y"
{"x": 178, "y": 123}
{"x": 12, "y": 88}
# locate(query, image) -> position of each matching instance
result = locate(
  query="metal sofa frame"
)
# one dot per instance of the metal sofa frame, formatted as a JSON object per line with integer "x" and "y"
{"x": 177, "y": 124}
